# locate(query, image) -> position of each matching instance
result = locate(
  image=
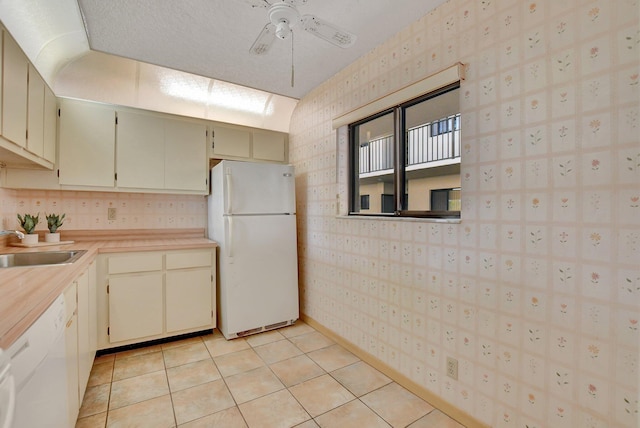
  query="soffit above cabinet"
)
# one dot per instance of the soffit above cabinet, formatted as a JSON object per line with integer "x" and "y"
{"x": 53, "y": 38}
{"x": 87, "y": 48}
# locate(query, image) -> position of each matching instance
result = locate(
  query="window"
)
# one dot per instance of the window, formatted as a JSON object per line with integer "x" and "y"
{"x": 364, "y": 202}
{"x": 407, "y": 158}
{"x": 445, "y": 200}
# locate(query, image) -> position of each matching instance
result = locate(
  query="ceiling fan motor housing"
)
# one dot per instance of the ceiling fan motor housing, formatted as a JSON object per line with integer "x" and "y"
{"x": 284, "y": 16}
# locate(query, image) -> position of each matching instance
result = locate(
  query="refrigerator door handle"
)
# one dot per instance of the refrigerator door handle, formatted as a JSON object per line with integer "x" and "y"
{"x": 229, "y": 237}
{"x": 229, "y": 189}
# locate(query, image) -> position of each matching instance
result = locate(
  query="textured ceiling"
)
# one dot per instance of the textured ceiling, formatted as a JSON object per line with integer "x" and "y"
{"x": 212, "y": 38}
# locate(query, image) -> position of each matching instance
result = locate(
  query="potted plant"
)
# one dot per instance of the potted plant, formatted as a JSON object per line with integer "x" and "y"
{"x": 54, "y": 221}
{"x": 28, "y": 223}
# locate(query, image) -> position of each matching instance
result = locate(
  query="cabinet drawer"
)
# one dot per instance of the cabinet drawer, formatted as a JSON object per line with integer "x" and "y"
{"x": 189, "y": 260}
{"x": 133, "y": 262}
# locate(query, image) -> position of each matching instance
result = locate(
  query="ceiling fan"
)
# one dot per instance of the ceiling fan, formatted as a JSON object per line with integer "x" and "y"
{"x": 284, "y": 17}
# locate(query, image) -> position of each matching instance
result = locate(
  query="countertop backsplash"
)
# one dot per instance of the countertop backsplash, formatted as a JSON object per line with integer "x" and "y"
{"x": 89, "y": 210}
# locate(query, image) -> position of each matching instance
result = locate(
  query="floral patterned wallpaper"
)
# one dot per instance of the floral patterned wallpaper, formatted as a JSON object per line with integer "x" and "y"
{"x": 537, "y": 291}
{"x": 88, "y": 210}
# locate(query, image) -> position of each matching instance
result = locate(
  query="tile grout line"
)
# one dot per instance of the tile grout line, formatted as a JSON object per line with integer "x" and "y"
{"x": 166, "y": 375}
{"x": 225, "y": 384}
{"x": 203, "y": 342}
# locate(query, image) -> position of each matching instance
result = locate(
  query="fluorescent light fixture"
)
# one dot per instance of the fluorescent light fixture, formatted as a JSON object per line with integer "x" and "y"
{"x": 236, "y": 97}
{"x": 216, "y": 93}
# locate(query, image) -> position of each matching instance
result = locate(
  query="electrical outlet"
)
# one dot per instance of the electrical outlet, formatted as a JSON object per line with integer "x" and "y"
{"x": 452, "y": 368}
{"x": 111, "y": 213}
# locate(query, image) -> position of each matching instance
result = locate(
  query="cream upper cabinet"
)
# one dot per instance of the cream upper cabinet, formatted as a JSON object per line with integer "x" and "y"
{"x": 14, "y": 92}
{"x": 237, "y": 142}
{"x": 35, "y": 113}
{"x": 87, "y": 144}
{"x": 186, "y": 166}
{"x": 230, "y": 141}
{"x": 41, "y": 118}
{"x": 140, "y": 154}
{"x": 1, "y": 73}
{"x": 270, "y": 146}
{"x": 50, "y": 124}
{"x": 26, "y": 111}
{"x": 131, "y": 150}
{"x": 160, "y": 153}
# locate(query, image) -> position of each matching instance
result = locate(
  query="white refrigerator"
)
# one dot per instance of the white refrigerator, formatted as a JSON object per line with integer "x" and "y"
{"x": 252, "y": 217}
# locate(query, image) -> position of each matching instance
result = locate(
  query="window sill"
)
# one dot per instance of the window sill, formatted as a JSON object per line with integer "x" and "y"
{"x": 399, "y": 218}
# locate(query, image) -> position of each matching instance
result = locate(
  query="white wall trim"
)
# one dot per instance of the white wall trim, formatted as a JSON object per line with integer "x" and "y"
{"x": 436, "y": 81}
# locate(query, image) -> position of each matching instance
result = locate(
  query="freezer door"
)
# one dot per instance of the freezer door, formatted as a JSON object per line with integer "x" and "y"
{"x": 257, "y": 188}
{"x": 258, "y": 273}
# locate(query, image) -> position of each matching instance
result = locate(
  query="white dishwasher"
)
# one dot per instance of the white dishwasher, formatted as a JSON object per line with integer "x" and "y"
{"x": 39, "y": 368}
{"x": 7, "y": 392}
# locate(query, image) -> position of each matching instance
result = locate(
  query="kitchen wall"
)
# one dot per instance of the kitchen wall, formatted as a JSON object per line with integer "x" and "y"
{"x": 536, "y": 291}
{"x": 88, "y": 210}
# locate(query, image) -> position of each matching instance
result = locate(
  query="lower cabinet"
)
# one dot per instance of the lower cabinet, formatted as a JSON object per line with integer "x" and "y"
{"x": 155, "y": 294}
{"x": 80, "y": 337}
{"x": 189, "y": 290}
{"x": 71, "y": 346}
{"x": 87, "y": 327}
{"x": 135, "y": 306}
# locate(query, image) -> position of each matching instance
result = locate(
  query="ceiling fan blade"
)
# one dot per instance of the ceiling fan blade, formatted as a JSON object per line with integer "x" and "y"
{"x": 264, "y": 41}
{"x": 326, "y": 31}
{"x": 258, "y": 3}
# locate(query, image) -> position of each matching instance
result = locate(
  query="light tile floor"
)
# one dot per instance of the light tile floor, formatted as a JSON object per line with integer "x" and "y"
{"x": 292, "y": 377}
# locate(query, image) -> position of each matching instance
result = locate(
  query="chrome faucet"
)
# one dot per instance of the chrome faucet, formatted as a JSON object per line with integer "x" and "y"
{"x": 12, "y": 232}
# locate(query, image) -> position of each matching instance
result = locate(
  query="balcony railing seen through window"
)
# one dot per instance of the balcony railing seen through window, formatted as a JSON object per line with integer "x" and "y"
{"x": 435, "y": 141}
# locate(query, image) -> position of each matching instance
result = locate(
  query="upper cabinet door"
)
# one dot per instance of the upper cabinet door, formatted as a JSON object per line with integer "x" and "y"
{"x": 50, "y": 125}
{"x": 35, "y": 113}
{"x": 186, "y": 163}
{"x": 1, "y": 74}
{"x": 14, "y": 94}
{"x": 230, "y": 142}
{"x": 269, "y": 146}
{"x": 87, "y": 144}
{"x": 140, "y": 154}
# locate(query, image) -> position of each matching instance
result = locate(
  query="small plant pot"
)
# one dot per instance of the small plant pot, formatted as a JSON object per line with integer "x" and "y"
{"x": 52, "y": 237}
{"x": 31, "y": 238}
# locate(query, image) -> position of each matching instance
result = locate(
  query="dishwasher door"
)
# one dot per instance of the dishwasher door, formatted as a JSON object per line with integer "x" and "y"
{"x": 38, "y": 364}
{"x": 7, "y": 392}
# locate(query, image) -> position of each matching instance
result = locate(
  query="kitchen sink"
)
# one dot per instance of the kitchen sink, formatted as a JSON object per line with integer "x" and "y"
{"x": 43, "y": 258}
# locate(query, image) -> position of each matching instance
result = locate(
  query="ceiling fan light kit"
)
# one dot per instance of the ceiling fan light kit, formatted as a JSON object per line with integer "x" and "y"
{"x": 284, "y": 16}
